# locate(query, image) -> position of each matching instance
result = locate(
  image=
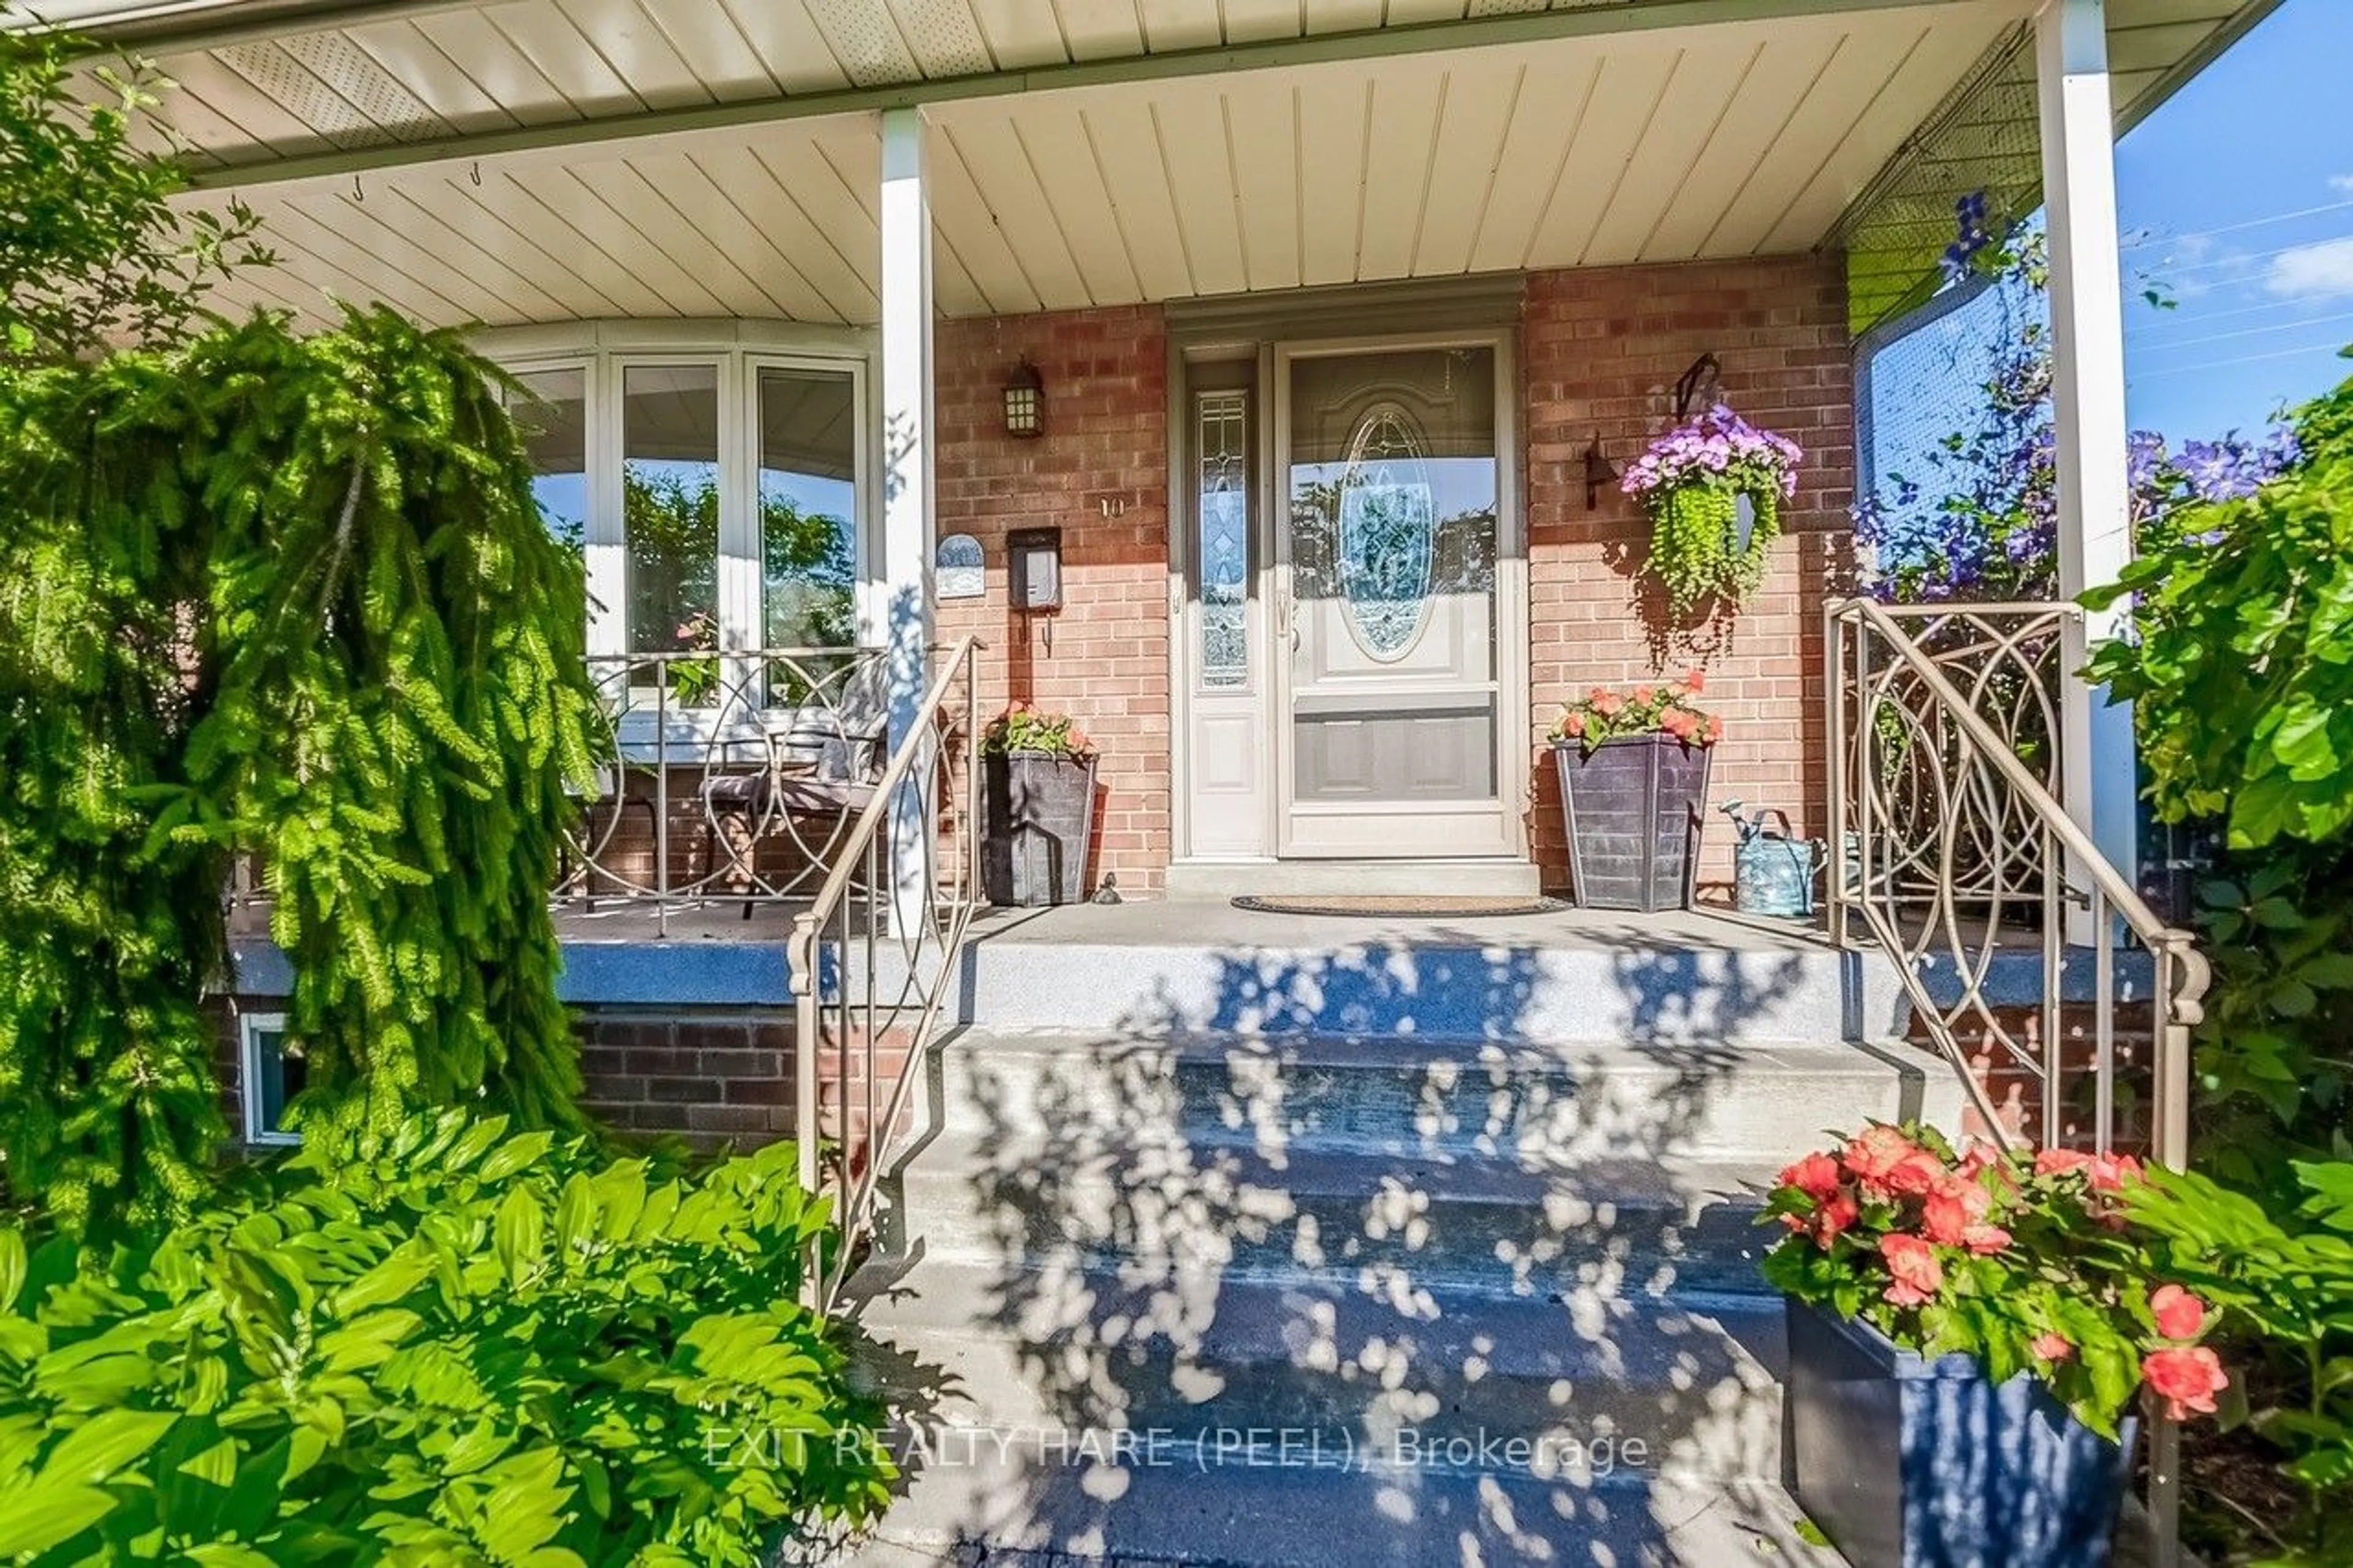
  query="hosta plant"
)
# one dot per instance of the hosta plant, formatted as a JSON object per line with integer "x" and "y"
{"x": 1022, "y": 728}
{"x": 1657, "y": 708}
{"x": 2025, "y": 1263}
{"x": 1691, "y": 481}
{"x": 472, "y": 1348}
{"x": 2285, "y": 1276}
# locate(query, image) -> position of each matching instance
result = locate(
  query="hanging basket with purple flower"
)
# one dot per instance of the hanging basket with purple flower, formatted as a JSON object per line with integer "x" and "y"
{"x": 1714, "y": 487}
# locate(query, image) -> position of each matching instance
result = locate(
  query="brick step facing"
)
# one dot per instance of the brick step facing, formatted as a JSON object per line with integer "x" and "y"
{"x": 1219, "y": 1299}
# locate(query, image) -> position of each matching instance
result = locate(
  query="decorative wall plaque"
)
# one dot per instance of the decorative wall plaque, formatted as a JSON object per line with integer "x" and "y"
{"x": 956, "y": 571}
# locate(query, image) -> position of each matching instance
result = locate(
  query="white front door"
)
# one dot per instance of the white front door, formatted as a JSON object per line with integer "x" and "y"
{"x": 1352, "y": 601}
{"x": 1390, "y": 702}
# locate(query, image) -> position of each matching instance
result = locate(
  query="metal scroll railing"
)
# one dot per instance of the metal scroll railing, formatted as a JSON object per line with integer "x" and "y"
{"x": 1950, "y": 849}
{"x": 722, "y": 778}
{"x": 876, "y": 957}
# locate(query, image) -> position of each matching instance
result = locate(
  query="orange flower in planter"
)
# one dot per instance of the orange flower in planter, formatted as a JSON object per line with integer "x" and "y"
{"x": 1654, "y": 707}
{"x": 2178, "y": 1313}
{"x": 2108, "y": 1173}
{"x": 1816, "y": 1176}
{"x": 1884, "y": 1161}
{"x": 2187, "y": 1379}
{"x": 1912, "y": 1263}
{"x": 1835, "y": 1218}
{"x": 1955, "y": 1214}
{"x": 1928, "y": 1227}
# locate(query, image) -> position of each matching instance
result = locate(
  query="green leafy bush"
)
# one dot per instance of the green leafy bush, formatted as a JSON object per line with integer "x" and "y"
{"x": 473, "y": 1347}
{"x": 2288, "y": 1274}
{"x": 2241, "y": 661}
{"x": 93, "y": 252}
{"x": 1021, "y": 728}
{"x": 2239, "y": 669}
{"x": 2270, "y": 1057}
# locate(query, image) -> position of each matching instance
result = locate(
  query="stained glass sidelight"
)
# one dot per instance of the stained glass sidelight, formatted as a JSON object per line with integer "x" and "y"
{"x": 1222, "y": 442}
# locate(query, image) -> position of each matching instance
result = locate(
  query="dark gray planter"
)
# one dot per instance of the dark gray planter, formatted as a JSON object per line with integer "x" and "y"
{"x": 1633, "y": 806}
{"x": 1040, "y": 819}
{"x": 1909, "y": 1463}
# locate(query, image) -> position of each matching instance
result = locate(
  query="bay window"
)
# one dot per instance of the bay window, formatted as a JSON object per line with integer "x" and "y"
{"x": 718, "y": 492}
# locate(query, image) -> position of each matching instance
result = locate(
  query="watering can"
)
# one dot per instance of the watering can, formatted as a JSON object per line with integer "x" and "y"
{"x": 1772, "y": 872}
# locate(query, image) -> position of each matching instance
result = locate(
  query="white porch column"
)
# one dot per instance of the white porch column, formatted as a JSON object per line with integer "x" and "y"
{"x": 905, "y": 612}
{"x": 2079, "y": 185}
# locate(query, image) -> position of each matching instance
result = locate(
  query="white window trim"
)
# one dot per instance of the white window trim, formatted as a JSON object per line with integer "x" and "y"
{"x": 741, "y": 350}
{"x": 250, "y": 1027}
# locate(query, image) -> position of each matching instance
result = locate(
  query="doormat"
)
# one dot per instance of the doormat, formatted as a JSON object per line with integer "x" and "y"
{"x": 1410, "y": 905}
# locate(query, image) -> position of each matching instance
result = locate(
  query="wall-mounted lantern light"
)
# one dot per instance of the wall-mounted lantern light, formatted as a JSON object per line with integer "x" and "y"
{"x": 1025, "y": 401}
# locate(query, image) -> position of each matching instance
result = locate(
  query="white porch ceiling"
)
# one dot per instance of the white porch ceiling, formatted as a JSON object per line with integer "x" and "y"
{"x": 1736, "y": 140}
{"x": 269, "y": 79}
{"x": 516, "y": 161}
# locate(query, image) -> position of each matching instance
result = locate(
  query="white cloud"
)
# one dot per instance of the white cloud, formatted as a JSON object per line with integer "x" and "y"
{"x": 2343, "y": 182}
{"x": 2319, "y": 271}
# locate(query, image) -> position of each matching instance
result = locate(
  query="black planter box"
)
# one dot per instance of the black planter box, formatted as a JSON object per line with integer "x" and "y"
{"x": 1040, "y": 819}
{"x": 1634, "y": 807}
{"x": 1910, "y": 1463}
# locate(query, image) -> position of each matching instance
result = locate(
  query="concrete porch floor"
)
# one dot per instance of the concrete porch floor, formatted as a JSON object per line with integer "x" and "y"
{"x": 707, "y": 953}
{"x": 1216, "y": 923}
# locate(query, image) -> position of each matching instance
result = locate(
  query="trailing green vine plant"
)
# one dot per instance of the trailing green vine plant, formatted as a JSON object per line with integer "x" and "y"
{"x": 1692, "y": 481}
{"x": 108, "y": 1107}
{"x": 265, "y": 593}
{"x": 287, "y": 597}
{"x": 402, "y": 702}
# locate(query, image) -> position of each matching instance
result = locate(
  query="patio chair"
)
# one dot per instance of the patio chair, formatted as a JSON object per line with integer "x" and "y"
{"x": 821, "y": 769}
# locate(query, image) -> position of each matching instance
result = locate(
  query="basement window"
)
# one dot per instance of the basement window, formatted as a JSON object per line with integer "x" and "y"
{"x": 270, "y": 1076}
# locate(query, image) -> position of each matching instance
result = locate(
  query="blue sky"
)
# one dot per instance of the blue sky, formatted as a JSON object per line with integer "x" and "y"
{"x": 2237, "y": 196}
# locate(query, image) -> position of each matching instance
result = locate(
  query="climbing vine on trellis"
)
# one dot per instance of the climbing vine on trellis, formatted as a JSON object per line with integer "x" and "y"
{"x": 289, "y": 597}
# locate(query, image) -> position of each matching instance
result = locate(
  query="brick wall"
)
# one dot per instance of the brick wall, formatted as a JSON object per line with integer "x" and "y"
{"x": 1599, "y": 349}
{"x": 1105, "y": 373}
{"x": 713, "y": 1075}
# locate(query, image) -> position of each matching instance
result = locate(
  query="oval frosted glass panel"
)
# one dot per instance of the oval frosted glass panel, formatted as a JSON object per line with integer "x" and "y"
{"x": 1387, "y": 533}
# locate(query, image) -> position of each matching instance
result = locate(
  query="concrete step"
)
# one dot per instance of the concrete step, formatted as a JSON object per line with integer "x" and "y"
{"x": 1684, "y": 1388}
{"x": 1556, "y": 1103}
{"x": 1048, "y": 1501}
{"x": 1589, "y": 978}
{"x": 1627, "y": 1227}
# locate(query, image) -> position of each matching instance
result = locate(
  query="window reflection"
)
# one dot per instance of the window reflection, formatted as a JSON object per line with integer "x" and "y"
{"x": 808, "y": 470}
{"x": 552, "y": 414}
{"x": 669, "y": 515}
